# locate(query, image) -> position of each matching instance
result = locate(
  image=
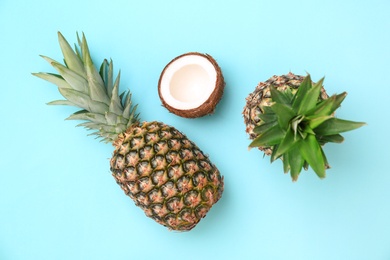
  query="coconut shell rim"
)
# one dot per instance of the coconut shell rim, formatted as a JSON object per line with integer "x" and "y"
{"x": 207, "y": 107}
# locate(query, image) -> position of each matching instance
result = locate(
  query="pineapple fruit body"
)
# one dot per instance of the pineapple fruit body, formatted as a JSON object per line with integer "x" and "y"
{"x": 261, "y": 97}
{"x": 290, "y": 117}
{"x": 166, "y": 175}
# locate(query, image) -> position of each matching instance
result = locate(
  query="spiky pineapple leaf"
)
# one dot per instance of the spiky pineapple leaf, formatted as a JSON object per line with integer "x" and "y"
{"x": 273, "y": 155}
{"x": 288, "y": 93}
{"x": 284, "y": 114}
{"x": 126, "y": 103}
{"x": 261, "y": 128}
{"x": 115, "y": 104}
{"x": 315, "y": 121}
{"x": 270, "y": 137}
{"x": 83, "y": 101}
{"x": 106, "y": 72}
{"x": 296, "y": 125}
{"x": 327, "y": 166}
{"x": 267, "y": 110}
{"x": 80, "y": 43}
{"x": 111, "y": 118}
{"x": 287, "y": 143}
{"x": 131, "y": 114}
{"x": 74, "y": 79}
{"x": 280, "y": 97}
{"x": 301, "y": 92}
{"x": 296, "y": 162}
{"x": 311, "y": 152}
{"x": 329, "y": 105}
{"x": 89, "y": 125}
{"x": 286, "y": 163}
{"x": 53, "y": 78}
{"x": 310, "y": 98}
{"x": 87, "y": 116}
{"x": 60, "y": 103}
{"x": 337, "y": 138}
{"x": 268, "y": 115}
{"x": 308, "y": 130}
{"x": 305, "y": 165}
{"x": 72, "y": 60}
{"x": 335, "y": 126}
{"x": 97, "y": 90}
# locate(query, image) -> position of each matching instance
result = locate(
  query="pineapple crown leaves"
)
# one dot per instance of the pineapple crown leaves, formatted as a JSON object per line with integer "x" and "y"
{"x": 297, "y": 125}
{"x": 96, "y": 92}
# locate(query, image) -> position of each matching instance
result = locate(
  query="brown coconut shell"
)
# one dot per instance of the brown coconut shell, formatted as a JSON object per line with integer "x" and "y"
{"x": 208, "y": 107}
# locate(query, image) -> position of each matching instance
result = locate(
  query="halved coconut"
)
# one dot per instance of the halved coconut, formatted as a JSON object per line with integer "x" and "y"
{"x": 191, "y": 85}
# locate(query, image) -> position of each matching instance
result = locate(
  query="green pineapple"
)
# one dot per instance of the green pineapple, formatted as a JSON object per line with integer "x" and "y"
{"x": 157, "y": 166}
{"x": 291, "y": 118}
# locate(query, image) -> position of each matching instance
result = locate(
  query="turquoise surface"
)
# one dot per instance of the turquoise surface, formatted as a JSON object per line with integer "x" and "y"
{"x": 58, "y": 199}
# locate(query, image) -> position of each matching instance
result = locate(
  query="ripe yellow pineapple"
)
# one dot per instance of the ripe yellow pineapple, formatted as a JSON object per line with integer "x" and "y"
{"x": 157, "y": 166}
{"x": 291, "y": 118}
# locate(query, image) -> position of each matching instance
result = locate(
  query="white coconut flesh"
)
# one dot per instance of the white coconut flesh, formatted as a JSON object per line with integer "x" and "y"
{"x": 188, "y": 82}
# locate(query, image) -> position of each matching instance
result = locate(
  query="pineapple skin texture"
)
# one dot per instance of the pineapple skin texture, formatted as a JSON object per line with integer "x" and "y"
{"x": 261, "y": 97}
{"x": 166, "y": 175}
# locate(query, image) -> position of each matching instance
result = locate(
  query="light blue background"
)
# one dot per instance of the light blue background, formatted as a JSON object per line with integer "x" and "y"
{"x": 58, "y": 199}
